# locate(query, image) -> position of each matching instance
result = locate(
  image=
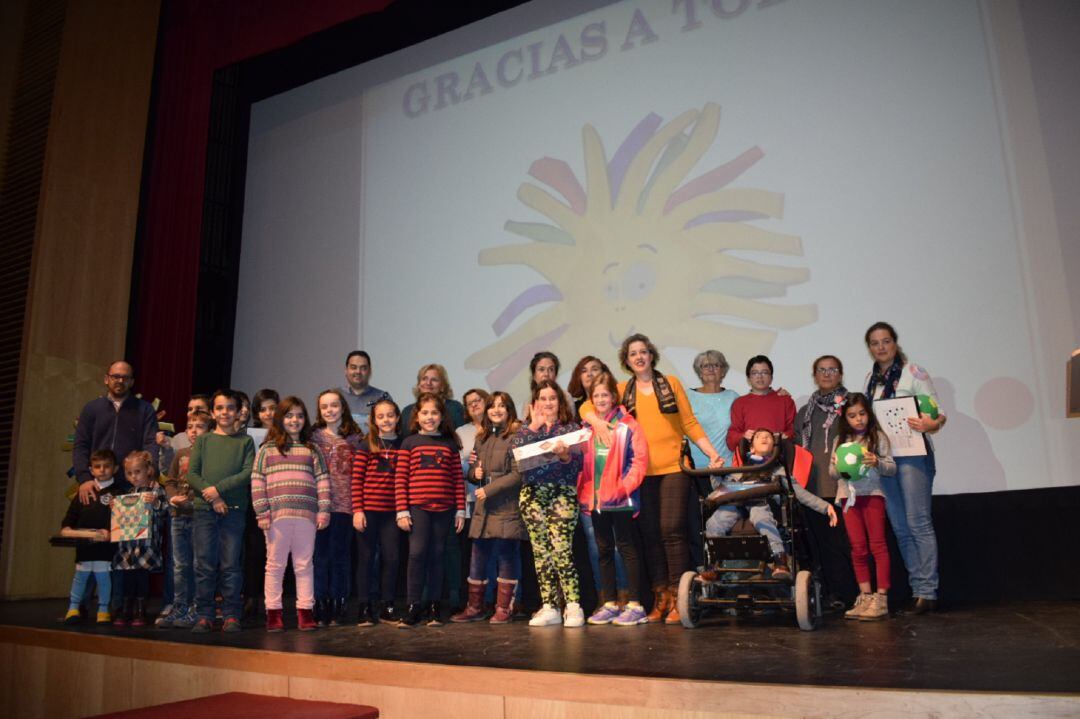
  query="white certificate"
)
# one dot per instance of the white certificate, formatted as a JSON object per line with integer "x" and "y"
{"x": 540, "y": 453}
{"x": 892, "y": 416}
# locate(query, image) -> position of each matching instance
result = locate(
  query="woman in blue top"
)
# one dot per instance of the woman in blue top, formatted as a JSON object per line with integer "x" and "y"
{"x": 908, "y": 495}
{"x": 549, "y": 505}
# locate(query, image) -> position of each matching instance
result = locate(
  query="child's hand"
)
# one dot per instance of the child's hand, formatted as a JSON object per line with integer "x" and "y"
{"x": 472, "y": 457}
{"x": 459, "y": 524}
{"x": 102, "y": 535}
{"x": 264, "y": 523}
{"x": 322, "y": 520}
{"x": 869, "y": 458}
{"x": 561, "y": 451}
{"x": 537, "y": 418}
{"x": 404, "y": 524}
{"x": 481, "y": 495}
{"x": 149, "y": 498}
{"x": 210, "y": 494}
{"x": 219, "y": 506}
{"x": 478, "y": 470}
{"x": 161, "y": 439}
{"x": 748, "y": 434}
{"x": 359, "y": 522}
{"x": 177, "y": 499}
{"x": 833, "y": 520}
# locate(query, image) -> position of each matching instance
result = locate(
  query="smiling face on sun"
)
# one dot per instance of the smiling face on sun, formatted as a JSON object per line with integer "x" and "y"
{"x": 640, "y": 248}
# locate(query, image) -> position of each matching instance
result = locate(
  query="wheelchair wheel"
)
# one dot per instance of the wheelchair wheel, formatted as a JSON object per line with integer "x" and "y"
{"x": 808, "y": 610}
{"x": 689, "y": 593}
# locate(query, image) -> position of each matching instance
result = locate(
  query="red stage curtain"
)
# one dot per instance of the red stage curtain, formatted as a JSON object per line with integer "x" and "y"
{"x": 197, "y": 37}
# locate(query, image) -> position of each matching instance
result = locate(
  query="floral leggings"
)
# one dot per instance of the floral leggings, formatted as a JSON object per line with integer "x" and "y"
{"x": 551, "y": 513}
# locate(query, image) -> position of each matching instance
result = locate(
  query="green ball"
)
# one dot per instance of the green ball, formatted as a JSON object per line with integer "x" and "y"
{"x": 849, "y": 461}
{"x": 928, "y": 406}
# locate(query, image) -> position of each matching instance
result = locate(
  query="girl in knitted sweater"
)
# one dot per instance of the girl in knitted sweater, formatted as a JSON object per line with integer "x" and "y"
{"x": 290, "y": 493}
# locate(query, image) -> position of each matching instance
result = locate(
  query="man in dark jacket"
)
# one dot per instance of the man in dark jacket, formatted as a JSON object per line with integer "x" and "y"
{"x": 119, "y": 421}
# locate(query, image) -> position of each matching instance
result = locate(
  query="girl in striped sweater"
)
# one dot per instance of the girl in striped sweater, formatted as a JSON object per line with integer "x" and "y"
{"x": 374, "y": 467}
{"x": 429, "y": 490}
{"x": 290, "y": 493}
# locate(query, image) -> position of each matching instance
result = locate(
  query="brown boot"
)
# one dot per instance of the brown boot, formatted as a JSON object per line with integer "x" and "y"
{"x": 661, "y": 605}
{"x": 504, "y": 601}
{"x": 673, "y": 611}
{"x": 474, "y": 610}
{"x": 780, "y": 568}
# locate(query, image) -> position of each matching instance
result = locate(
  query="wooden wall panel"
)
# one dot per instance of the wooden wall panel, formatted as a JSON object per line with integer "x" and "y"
{"x": 80, "y": 281}
{"x": 402, "y": 702}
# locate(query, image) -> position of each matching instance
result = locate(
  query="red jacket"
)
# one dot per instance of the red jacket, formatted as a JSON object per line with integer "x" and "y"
{"x": 624, "y": 471}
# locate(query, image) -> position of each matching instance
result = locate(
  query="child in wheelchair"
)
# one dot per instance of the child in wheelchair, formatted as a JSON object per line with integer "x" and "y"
{"x": 761, "y": 516}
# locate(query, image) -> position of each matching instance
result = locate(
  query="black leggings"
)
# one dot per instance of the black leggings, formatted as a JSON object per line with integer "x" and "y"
{"x": 663, "y": 526}
{"x": 616, "y": 529}
{"x": 381, "y": 529}
{"x": 136, "y": 583}
{"x": 427, "y": 543}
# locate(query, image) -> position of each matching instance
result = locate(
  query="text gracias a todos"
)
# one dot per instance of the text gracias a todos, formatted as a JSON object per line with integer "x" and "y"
{"x": 539, "y": 59}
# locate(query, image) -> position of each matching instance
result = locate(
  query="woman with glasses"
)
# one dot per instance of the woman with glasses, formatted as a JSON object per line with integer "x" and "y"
{"x": 711, "y": 403}
{"x": 762, "y": 407}
{"x": 816, "y": 426}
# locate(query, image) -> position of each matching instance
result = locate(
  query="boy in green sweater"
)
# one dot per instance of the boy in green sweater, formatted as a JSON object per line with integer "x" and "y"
{"x": 220, "y": 474}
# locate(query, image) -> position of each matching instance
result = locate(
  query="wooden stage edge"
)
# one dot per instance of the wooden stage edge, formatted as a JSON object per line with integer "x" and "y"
{"x": 48, "y": 673}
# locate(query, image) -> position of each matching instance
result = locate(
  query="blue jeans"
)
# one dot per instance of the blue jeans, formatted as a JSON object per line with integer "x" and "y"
{"x": 183, "y": 566}
{"x": 219, "y": 541}
{"x": 167, "y": 588}
{"x": 908, "y": 498}
{"x": 761, "y": 516}
{"x": 333, "y": 557}
{"x": 594, "y": 555}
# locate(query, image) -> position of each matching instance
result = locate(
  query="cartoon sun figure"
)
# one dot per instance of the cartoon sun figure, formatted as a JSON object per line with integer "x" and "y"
{"x": 638, "y": 251}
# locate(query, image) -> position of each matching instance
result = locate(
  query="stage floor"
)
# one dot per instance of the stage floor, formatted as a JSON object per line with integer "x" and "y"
{"x": 1016, "y": 647}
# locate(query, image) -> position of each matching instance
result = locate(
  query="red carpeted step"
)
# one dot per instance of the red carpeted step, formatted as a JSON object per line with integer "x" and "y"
{"x": 238, "y": 705}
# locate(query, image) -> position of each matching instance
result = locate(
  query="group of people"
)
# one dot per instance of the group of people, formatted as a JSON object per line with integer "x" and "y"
{"x": 251, "y": 485}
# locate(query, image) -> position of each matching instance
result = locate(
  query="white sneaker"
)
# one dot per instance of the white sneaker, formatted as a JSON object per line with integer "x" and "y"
{"x": 575, "y": 617}
{"x": 546, "y": 617}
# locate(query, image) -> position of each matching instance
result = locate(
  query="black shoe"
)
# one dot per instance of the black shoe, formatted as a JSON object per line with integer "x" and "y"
{"x": 250, "y": 608}
{"x": 922, "y": 606}
{"x": 338, "y": 618}
{"x": 388, "y": 614}
{"x": 413, "y": 615}
{"x": 322, "y": 612}
{"x": 365, "y": 617}
{"x": 434, "y": 614}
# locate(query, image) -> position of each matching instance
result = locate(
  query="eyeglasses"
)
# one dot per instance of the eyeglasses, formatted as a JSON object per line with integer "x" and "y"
{"x": 119, "y": 377}
{"x": 761, "y": 373}
{"x": 712, "y": 365}
{"x": 828, "y": 371}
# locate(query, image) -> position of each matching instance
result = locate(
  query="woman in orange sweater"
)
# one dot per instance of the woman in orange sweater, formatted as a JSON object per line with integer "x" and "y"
{"x": 661, "y": 408}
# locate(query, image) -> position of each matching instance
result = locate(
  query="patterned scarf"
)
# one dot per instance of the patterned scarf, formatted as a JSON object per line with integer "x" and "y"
{"x": 665, "y": 396}
{"x": 889, "y": 379}
{"x": 831, "y": 404}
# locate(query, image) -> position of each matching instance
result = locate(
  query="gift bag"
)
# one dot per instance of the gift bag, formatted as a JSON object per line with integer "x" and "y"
{"x": 130, "y": 518}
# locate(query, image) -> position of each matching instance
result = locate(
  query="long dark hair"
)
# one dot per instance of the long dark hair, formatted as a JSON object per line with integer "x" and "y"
{"x": 348, "y": 427}
{"x": 256, "y": 404}
{"x": 373, "y": 431}
{"x": 536, "y": 360}
{"x": 445, "y": 428}
{"x": 512, "y": 421}
{"x": 277, "y": 435}
{"x": 565, "y": 414}
{"x": 844, "y": 431}
{"x": 576, "y": 388}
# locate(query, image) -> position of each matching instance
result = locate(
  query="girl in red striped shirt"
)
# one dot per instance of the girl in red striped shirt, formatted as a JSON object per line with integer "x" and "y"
{"x": 374, "y": 467}
{"x": 430, "y": 497}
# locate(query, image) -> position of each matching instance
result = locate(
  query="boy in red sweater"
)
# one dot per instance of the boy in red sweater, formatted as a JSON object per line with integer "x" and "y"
{"x": 762, "y": 407}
